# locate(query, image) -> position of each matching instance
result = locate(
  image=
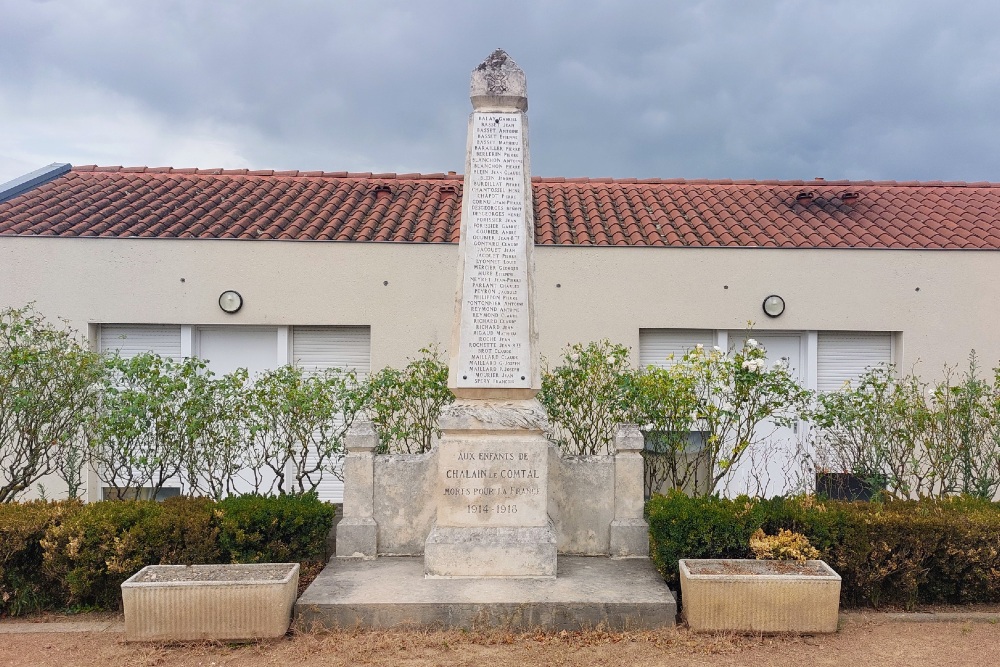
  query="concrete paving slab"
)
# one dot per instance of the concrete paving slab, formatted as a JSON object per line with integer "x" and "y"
{"x": 13, "y": 628}
{"x": 925, "y": 617}
{"x": 390, "y": 592}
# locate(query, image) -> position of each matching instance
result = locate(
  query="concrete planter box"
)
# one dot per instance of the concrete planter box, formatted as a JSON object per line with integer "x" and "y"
{"x": 759, "y": 595}
{"x": 222, "y": 602}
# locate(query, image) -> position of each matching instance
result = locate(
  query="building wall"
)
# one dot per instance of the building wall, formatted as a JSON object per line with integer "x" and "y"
{"x": 405, "y": 292}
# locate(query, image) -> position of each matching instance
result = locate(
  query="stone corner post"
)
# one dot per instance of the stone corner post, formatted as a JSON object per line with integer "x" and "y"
{"x": 629, "y": 531}
{"x": 357, "y": 532}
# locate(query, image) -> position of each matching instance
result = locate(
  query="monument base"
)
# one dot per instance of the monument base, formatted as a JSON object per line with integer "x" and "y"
{"x": 589, "y": 593}
{"x": 629, "y": 538}
{"x": 491, "y": 551}
{"x": 357, "y": 537}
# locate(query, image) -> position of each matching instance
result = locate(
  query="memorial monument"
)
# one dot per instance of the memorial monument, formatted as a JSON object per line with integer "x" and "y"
{"x": 492, "y": 493}
{"x": 492, "y": 526}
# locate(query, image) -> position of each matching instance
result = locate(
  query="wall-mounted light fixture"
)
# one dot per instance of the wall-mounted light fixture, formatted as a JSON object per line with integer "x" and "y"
{"x": 230, "y": 301}
{"x": 774, "y": 305}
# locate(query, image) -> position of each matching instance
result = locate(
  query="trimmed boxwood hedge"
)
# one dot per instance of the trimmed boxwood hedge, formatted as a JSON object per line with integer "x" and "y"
{"x": 896, "y": 552}
{"x": 68, "y": 554}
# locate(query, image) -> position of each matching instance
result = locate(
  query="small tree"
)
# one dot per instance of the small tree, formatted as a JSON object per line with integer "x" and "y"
{"x": 911, "y": 438}
{"x": 585, "y": 397}
{"x": 218, "y": 453}
{"x": 48, "y": 390}
{"x": 664, "y": 402}
{"x": 151, "y": 415}
{"x": 404, "y": 405}
{"x": 296, "y": 424}
{"x": 737, "y": 394}
{"x": 971, "y": 410}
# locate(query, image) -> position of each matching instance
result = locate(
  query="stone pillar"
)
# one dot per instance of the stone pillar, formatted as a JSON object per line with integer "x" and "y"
{"x": 492, "y": 493}
{"x": 629, "y": 531}
{"x": 494, "y": 351}
{"x": 357, "y": 532}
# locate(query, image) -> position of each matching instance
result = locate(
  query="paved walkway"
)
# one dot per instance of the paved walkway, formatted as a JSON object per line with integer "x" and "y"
{"x": 22, "y": 627}
{"x": 8, "y": 627}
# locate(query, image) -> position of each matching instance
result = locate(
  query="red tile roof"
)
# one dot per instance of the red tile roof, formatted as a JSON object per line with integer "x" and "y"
{"x": 139, "y": 202}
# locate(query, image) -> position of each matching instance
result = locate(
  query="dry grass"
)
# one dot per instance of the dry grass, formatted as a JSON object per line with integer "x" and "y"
{"x": 863, "y": 641}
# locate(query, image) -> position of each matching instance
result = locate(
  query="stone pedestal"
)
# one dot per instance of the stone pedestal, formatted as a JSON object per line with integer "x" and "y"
{"x": 629, "y": 530}
{"x": 492, "y": 493}
{"x": 357, "y": 532}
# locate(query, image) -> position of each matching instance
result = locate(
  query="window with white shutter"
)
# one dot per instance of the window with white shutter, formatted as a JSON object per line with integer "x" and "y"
{"x": 315, "y": 349}
{"x": 656, "y": 345}
{"x": 844, "y": 356}
{"x": 129, "y": 340}
{"x": 132, "y": 339}
{"x": 319, "y": 348}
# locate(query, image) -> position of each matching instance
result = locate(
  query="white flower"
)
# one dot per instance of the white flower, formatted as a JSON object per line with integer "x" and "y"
{"x": 699, "y": 347}
{"x": 717, "y": 348}
{"x": 611, "y": 359}
{"x": 749, "y": 364}
{"x": 752, "y": 342}
{"x": 574, "y": 357}
{"x": 781, "y": 363}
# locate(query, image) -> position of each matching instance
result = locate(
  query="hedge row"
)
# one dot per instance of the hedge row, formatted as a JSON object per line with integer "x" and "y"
{"x": 898, "y": 552}
{"x": 67, "y": 554}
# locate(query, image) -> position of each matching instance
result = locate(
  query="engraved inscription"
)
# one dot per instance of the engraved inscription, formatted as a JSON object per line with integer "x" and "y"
{"x": 493, "y": 485}
{"x": 495, "y": 350}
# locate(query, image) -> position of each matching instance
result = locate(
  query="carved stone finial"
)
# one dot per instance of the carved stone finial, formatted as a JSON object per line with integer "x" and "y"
{"x": 498, "y": 83}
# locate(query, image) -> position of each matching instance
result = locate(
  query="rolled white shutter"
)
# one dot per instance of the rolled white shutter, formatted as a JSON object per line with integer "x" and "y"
{"x": 844, "y": 356}
{"x": 132, "y": 339}
{"x": 319, "y": 348}
{"x": 656, "y": 345}
{"x": 316, "y": 349}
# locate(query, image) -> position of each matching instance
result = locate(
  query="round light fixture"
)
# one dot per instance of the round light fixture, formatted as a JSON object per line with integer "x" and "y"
{"x": 230, "y": 301}
{"x": 774, "y": 305}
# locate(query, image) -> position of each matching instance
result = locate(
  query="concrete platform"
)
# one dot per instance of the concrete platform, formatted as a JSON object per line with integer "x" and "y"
{"x": 392, "y": 591}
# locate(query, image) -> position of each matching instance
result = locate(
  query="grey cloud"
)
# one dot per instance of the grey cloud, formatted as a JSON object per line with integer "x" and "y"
{"x": 849, "y": 89}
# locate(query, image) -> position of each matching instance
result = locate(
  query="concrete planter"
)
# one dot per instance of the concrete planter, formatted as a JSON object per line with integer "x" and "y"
{"x": 759, "y": 595}
{"x": 222, "y": 602}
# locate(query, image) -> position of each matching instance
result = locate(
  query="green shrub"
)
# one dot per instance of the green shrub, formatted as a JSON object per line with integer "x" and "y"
{"x": 585, "y": 397}
{"x": 48, "y": 381}
{"x": 404, "y": 405}
{"x": 708, "y": 527}
{"x": 258, "y": 529}
{"x": 94, "y": 550}
{"x": 54, "y": 555}
{"x": 899, "y": 552}
{"x": 77, "y": 551}
{"x": 22, "y": 527}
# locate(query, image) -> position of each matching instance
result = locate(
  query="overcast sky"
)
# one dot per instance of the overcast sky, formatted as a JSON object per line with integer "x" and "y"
{"x": 873, "y": 89}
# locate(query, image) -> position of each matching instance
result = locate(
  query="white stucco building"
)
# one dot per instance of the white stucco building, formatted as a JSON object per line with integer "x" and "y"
{"x": 338, "y": 269}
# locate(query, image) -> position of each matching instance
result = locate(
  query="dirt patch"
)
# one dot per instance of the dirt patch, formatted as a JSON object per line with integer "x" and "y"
{"x": 222, "y": 573}
{"x": 757, "y": 567}
{"x": 861, "y": 641}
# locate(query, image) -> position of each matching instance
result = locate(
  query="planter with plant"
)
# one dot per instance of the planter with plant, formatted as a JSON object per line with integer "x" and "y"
{"x": 786, "y": 589}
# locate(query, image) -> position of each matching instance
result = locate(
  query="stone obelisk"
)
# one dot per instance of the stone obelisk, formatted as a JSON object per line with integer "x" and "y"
{"x": 492, "y": 493}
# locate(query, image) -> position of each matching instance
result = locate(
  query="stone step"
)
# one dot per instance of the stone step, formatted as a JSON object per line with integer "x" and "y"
{"x": 587, "y": 593}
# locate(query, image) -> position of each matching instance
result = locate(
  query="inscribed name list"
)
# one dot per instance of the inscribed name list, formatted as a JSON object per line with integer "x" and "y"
{"x": 494, "y": 342}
